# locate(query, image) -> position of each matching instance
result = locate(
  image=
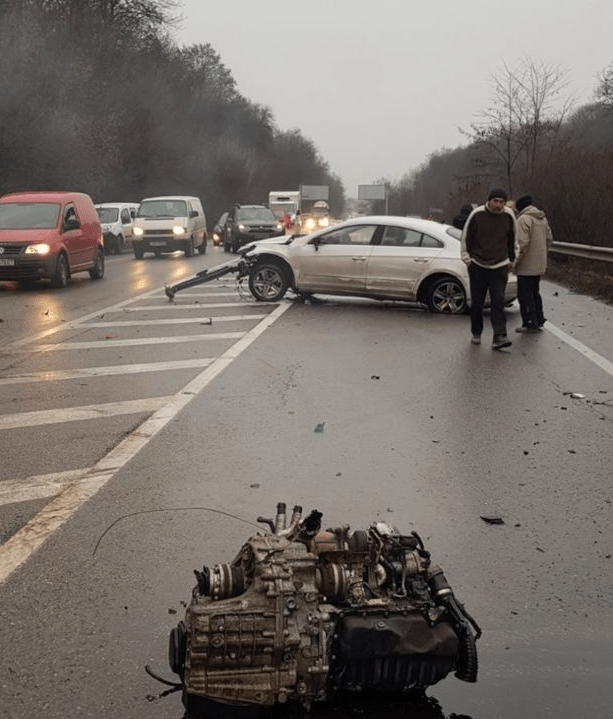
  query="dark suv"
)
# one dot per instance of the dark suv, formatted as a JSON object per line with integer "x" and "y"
{"x": 246, "y": 223}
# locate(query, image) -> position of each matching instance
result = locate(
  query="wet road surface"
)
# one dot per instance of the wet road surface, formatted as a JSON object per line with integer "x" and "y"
{"x": 419, "y": 428}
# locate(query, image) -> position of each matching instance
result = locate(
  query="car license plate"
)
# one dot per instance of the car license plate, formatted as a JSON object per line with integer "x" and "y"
{"x": 4, "y": 262}
{"x": 157, "y": 243}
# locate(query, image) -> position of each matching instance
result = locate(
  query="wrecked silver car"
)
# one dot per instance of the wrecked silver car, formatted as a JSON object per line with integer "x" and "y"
{"x": 302, "y": 613}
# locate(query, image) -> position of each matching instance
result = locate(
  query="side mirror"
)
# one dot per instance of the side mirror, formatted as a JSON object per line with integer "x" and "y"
{"x": 72, "y": 224}
{"x": 193, "y": 213}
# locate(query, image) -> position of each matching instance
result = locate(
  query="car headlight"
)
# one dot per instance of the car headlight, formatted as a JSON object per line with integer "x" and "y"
{"x": 178, "y": 230}
{"x": 42, "y": 248}
{"x": 138, "y": 231}
{"x": 279, "y": 227}
{"x": 310, "y": 224}
{"x": 324, "y": 221}
{"x": 242, "y": 228}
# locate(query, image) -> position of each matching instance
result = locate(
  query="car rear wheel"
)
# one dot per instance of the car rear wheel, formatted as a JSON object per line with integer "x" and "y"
{"x": 446, "y": 295}
{"x": 268, "y": 282}
{"x": 97, "y": 271}
{"x": 60, "y": 274}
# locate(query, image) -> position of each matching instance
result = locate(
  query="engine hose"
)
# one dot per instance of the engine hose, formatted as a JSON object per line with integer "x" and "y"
{"x": 468, "y": 663}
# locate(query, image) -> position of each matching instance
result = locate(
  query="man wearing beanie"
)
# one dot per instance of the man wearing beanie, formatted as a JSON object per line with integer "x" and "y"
{"x": 488, "y": 248}
{"x": 534, "y": 239}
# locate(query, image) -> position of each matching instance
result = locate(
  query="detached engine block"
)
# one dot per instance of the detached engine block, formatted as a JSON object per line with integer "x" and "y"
{"x": 301, "y": 613}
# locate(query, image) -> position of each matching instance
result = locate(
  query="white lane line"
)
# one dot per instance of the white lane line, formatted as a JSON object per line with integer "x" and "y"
{"x": 103, "y": 344}
{"x": 38, "y": 486}
{"x": 594, "y": 357}
{"x": 15, "y": 551}
{"x": 188, "y": 306}
{"x": 52, "y": 330}
{"x": 175, "y": 321}
{"x": 58, "y": 375}
{"x": 78, "y": 414}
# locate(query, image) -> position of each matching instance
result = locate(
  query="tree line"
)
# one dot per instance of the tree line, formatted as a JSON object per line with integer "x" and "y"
{"x": 529, "y": 140}
{"x": 96, "y": 96}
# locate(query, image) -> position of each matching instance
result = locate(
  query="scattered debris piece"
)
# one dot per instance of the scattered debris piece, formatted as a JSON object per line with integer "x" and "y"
{"x": 375, "y": 376}
{"x": 172, "y": 611}
{"x": 255, "y": 485}
{"x": 574, "y": 395}
{"x": 492, "y": 520}
{"x": 319, "y": 427}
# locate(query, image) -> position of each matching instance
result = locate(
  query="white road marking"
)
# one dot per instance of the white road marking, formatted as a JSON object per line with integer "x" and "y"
{"x": 15, "y": 551}
{"x": 103, "y": 344}
{"x": 175, "y": 321}
{"x": 38, "y": 486}
{"x": 594, "y": 357}
{"x": 79, "y": 414}
{"x": 191, "y": 306}
{"x": 59, "y": 375}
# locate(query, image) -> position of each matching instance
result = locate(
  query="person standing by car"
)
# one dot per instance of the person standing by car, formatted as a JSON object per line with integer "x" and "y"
{"x": 534, "y": 239}
{"x": 460, "y": 219}
{"x": 488, "y": 248}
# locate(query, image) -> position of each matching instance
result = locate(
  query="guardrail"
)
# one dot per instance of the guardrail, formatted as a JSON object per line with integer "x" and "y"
{"x": 602, "y": 254}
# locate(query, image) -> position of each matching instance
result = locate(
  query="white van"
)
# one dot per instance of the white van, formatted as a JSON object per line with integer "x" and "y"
{"x": 170, "y": 223}
{"x": 116, "y": 220}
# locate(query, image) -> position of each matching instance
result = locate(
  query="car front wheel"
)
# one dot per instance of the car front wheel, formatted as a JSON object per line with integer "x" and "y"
{"x": 97, "y": 271}
{"x": 268, "y": 282}
{"x": 60, "y": 274}
{"x": 446, "y": 295}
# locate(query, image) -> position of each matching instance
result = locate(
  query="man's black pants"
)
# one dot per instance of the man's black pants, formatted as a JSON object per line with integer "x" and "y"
{"x": 482, "y": 280}
{"x": 530, "y": 302}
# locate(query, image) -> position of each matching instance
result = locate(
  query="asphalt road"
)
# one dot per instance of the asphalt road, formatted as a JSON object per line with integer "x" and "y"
{"x": 135, "y": 450}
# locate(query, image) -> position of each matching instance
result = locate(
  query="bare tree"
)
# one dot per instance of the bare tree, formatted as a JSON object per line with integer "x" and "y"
{"x": 604, "y": 91}
{"x": 524, "y": 119}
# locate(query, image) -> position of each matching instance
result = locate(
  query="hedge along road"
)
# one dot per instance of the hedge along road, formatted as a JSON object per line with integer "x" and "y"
{"x": 93, "y": 336}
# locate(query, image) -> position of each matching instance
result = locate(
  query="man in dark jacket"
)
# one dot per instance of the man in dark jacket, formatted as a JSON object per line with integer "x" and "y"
{"x": 460, "y": 219}
{"x": 488, "y": 248}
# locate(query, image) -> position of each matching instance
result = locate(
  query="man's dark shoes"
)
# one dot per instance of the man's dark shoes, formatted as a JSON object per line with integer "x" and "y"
{"x": 500, "y": 342}
{"x": 527, "y": 330}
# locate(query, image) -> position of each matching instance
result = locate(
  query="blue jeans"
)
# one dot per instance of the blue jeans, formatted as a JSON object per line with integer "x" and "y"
{"x": 482, "y": 280}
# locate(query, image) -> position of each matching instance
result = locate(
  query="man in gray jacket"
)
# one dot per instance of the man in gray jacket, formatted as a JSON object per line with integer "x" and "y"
{"x": 534, "y": 240}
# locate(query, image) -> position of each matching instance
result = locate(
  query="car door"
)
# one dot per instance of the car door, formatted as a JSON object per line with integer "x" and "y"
{"x": 397, "y": 264}
{"x": 336, "y": 260}
{"x": 73, "y": 237}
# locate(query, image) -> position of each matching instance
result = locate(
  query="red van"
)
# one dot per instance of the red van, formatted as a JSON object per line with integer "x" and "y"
{"x": 49, "y": 235}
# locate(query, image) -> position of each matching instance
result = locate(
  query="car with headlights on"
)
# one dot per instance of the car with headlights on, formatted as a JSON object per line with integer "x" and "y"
{"x": 219, "y": 229}
{"x": 167, "y": 224}
{"x": 383, "y": 258}
{"x": 117, "y": 219}
{"x": 49, "y": 235}
{"x": 246, "y": 223}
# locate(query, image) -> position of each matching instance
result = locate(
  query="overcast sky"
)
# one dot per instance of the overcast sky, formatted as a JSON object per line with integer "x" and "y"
{"x": 378, "y": 85}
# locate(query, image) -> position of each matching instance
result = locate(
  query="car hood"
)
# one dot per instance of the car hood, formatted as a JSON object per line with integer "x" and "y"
{"x": 29, "y": 235}
{"x": 268, "y": 242}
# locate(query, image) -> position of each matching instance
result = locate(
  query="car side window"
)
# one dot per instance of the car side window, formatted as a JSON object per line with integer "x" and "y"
{"x": 400, "y": 237}
{"x": 70, "y": 217}
{"x": 429, "y": 241}
{"x": 125, "y": 216}
{"x": 358, "y": 235}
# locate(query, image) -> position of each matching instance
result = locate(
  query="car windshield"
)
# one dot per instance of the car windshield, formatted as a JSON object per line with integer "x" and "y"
{"x": 28, "y": 216}
{"x": 163, "y": 208}
{"x": 261, "y": 214}
{"x": 107, "y": 214}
